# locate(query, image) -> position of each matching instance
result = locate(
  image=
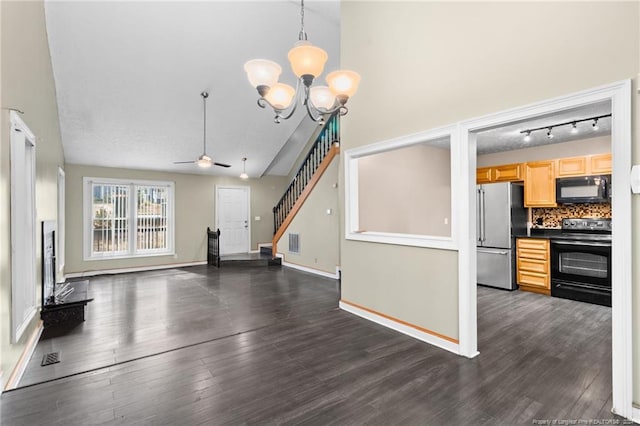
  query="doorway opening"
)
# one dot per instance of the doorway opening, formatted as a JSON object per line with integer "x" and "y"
{"x": 617, "y": 96}
{"x": 233, "y": 210}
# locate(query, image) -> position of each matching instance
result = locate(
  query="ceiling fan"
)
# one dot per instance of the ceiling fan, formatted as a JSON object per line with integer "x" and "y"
{"x": 204, "y": 160}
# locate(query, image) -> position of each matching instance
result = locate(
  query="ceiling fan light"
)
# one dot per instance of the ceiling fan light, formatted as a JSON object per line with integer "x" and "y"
{"x": 307, "y": 59}
{"x": 322, "y": 98}
{"x": 280, "y": 95}
{"x": 262, "y": 72}
{"x": 204, "y": 161}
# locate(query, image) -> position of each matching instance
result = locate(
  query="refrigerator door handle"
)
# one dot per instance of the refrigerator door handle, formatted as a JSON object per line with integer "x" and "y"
{"x": 483, "y": 229}
{"x": 478, "y": 216}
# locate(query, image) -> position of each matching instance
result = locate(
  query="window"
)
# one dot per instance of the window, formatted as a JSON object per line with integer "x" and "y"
{"x": 127, "y": 219}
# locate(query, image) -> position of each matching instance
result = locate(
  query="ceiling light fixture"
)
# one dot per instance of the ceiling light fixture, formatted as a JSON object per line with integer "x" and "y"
{"x": 244, "y": 174}
{"x": 574, "y": 128}
{"x": 307, "y": 62}
{"x": 572, "y": 123}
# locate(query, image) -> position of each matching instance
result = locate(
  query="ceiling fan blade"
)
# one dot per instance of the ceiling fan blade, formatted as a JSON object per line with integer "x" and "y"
{"x": 184, "y": 162}
{"x": 222, "y": 164}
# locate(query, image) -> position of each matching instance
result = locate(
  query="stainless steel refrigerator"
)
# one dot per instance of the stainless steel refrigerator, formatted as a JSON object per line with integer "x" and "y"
{"x": 500, "y": 217}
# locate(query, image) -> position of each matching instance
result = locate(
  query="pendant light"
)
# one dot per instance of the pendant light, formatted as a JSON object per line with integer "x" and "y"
{"x": 307, "y": 63}
{"x": 244, "y": 175}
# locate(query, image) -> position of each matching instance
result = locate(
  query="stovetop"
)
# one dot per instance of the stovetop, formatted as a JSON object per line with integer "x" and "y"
{"x": 578, "y": 230}
{"x": 585, "y": 229}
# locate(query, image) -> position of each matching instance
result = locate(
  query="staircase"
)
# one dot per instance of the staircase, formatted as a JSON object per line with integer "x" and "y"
{"x": 322, "y": 152}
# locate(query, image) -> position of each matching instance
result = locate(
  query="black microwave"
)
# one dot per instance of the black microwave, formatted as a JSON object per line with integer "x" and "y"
{"x": 583, "y": 189}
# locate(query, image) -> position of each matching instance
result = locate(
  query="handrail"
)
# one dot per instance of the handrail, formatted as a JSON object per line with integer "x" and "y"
{"x": 329, "y": 136}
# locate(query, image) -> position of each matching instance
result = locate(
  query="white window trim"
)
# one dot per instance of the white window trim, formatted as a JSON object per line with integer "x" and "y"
{"x": 131, "y": 253}
{"x": 20, "y": 320}
{"x": 352, "y": 213}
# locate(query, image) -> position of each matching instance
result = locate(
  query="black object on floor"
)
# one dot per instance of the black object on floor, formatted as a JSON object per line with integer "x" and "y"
{"x": 67, "y": 308}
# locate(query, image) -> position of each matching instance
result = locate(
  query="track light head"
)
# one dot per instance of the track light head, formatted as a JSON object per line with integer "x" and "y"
{"x": 549, "y": 134}
{"x": 595, "y": 124}
{"x": 574, "y": 128}
{"x": 527, "y": 137}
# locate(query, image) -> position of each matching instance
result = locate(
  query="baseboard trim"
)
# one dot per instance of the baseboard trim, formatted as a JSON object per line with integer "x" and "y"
{"x": 27, "y": 353}
{"x": 436, "y": 339}
{"x": 134, "y": 269}
{"x": 309, "y": 270}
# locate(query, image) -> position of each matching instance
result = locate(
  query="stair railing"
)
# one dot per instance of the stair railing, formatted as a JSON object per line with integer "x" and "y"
{"x": 329, "y": 136}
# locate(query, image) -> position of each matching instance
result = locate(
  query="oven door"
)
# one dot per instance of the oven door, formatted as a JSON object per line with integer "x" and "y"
{"x": 581, "y": 270}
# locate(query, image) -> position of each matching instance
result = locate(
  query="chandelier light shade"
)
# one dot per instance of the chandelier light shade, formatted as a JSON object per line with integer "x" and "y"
{"x": 262, "y": 72}
{"x": 343, "y": 82}
{"x": 307, "y": 63}
{"x": 307, "y": 59}
{"x": 280, "y": 96}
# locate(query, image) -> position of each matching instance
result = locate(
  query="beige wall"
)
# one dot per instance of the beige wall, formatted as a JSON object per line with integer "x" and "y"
{"x": 319, "y": 231}
{"x": 27, "y": 84}
{"x": 590, "y": 146}
{"x": 415, "y": 181}
{"x": 428, "y": 64}
{"x": 194, "y": 212}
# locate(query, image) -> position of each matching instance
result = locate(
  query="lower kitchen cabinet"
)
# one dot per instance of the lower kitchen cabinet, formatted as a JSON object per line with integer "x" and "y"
{"x": 533, "y": 272}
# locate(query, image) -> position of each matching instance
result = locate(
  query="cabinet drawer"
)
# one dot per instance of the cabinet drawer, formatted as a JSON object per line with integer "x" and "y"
{"x": 601, "y": 164}
{"x": 531, "y": 265}
{"x": 532, "y": 254}
{"x": 533, "y": 279}
{"x": 532, "y": 243}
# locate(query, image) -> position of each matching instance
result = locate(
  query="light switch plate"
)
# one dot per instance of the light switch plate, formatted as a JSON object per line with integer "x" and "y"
{"x": 635, "y": 179}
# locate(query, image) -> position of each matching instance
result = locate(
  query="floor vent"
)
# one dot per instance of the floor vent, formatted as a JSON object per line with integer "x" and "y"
{"x": 50, "y": 358}
{"x": 294, "y": 243}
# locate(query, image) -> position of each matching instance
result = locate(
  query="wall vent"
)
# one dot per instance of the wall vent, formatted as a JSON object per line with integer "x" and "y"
{"x": 294, "y": 243}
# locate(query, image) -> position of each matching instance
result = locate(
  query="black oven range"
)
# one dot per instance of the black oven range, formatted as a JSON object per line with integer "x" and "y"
{"x": 581, "y": 261}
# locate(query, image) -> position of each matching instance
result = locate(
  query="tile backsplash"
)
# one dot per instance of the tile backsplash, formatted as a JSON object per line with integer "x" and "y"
{"x": 552, "y": 217}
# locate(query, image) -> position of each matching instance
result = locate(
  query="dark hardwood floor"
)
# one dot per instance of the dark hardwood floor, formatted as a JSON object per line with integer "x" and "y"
{"x": 270, "y": 346}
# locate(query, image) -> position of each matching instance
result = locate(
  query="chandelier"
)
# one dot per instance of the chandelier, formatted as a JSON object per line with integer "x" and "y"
{"x": 307, "y": 62}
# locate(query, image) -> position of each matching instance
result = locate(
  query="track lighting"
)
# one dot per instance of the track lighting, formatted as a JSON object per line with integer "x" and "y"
{"x": 244, "y": 174}
{"x": 572, "y": 123}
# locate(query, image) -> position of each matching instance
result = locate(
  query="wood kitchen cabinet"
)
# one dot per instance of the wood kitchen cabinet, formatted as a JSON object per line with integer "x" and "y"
{"x": 533, "y": 270}
{"x": 502, "y": 173}
{"x": 483, "y": 175}
{"x": 540, "y": 184}
{"x": 584, "y": 166}
{"x": 600, "y": 164}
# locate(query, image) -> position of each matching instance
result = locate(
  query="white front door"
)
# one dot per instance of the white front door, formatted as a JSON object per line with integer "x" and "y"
{"x": 232, "y": 218}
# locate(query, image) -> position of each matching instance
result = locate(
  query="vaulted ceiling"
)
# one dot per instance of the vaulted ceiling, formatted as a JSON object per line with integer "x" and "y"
{"x": 129, "y": 76}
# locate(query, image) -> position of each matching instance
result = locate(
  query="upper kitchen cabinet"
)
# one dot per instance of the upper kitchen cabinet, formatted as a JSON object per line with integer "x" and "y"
{"x": 600, "y": 164}
{"x": 540, "y": 184}
{"x": 583, "y": 166}
{"x": 502, "y": 173}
